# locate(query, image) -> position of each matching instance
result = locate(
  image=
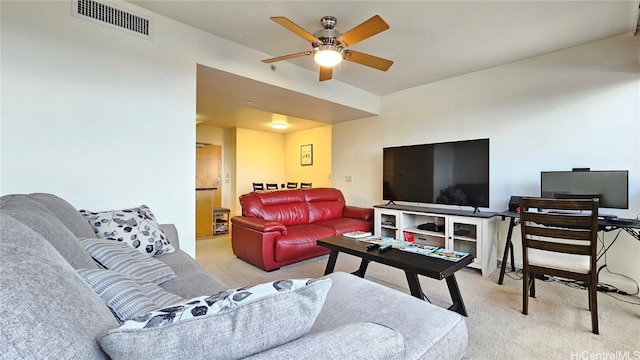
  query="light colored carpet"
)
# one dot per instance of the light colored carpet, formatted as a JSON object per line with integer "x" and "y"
{"x": 558, "y": 325}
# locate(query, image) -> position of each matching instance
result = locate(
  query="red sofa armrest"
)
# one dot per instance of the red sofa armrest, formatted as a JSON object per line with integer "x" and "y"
{"x": 259, "y": 224}
{"x": 358, "y": 213}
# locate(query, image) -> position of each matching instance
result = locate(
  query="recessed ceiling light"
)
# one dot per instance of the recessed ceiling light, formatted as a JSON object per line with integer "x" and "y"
{"x": 279, "y": 125}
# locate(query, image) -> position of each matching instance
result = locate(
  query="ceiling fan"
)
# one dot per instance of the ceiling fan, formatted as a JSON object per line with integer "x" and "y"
{"x": 330, "y": 46}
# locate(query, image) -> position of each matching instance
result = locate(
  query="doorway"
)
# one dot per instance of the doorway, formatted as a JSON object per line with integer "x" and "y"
{"x": 208, "y": 186}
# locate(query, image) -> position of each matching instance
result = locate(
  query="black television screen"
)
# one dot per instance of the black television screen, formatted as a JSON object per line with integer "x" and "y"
{"x": 451, "y": 173}
{"x": 610, "y": 187}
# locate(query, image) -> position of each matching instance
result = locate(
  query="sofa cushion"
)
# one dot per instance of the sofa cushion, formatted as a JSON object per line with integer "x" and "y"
{"x": 124, "y": 259}
{"x": 135, "y": 226}
{"x": 300, "y": 239}
{"x": 66, "y": 213}
{"x": 242, "y": 326}
{"x": 344, "y": 225}
{"x": 357, "y": 340}
{"x": 49, "y": 312}
{"x": 426, "y": 332}
{"x": 191, "y": 280}
{"x": 38, "y": 218}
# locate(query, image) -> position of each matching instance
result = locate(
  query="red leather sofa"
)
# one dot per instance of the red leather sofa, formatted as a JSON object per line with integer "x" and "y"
{"x": 279, "y": 228}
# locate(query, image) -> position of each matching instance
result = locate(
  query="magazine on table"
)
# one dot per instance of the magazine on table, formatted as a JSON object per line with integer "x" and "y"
{"x": 434, "y": 251}
{"x": 357, "y": 234}
{"x": 422, "y": 249}
{"x": 384, "y": 240}
{"x": 451, "y": 255}
{"x": 416, "y": 248}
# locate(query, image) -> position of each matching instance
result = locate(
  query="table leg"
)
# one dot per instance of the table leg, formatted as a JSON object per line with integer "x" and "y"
{"x": 363, "y": 268}
{"x": 508, "y": 247}
{"x": 331, "y": 264}
{"x": 454, "y": 291}
{"x": 414, "y": 284}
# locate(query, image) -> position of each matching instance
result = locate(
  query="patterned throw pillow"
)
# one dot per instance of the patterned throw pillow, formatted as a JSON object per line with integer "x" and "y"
{"x": 124, "y": 259}
{"x": 228, "y": 325}
{"x": 127, "y": 296}
{"x": 136, "y": 226}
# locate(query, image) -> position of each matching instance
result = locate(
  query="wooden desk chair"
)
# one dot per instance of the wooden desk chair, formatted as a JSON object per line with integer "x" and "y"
{"x": 271, "y": 186}
{"x": 292, "y": 185}
{"x": 304, "y": 185}
{"x": 258, "y": 186}
{"x": 558, "y": 240}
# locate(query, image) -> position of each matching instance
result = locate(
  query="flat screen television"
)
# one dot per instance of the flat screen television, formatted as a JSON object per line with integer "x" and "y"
{"x": 610, "y": 187}
{"x": 450, "y": 173}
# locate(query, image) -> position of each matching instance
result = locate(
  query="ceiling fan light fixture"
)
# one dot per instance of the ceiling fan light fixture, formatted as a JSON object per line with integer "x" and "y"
{"x": 328, "y": 55}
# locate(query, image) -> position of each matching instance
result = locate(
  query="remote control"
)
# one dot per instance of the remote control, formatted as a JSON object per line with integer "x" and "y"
{"x": 385, "y": 248}
{"x": 373, "y": 246}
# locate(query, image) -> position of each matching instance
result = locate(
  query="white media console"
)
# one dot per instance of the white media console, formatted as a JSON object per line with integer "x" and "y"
{"x": 461, "y": 230}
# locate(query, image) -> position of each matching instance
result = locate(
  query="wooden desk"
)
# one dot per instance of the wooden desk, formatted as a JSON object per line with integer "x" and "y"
{"x": 631, "y": 226}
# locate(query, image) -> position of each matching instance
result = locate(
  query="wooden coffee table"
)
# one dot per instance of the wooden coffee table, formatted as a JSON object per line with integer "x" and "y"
{"x": 412, "y": 265}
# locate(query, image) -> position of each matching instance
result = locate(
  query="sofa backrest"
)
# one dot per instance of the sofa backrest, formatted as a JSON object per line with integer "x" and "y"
{"x": 324, "y": 203}
{"x": 66, "y": 213}
{"x": 38, "y": 218}
{"x": 294, "y": 207}
{"x": 48, "y": 310}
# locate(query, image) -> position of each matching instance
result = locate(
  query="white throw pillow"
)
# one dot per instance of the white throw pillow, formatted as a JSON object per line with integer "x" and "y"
{"x": 135, "y": 226}
{"x": 228, "y": 325}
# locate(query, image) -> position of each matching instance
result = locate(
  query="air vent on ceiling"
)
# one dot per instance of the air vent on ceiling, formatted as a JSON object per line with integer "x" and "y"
{"x": 113, "y": 17}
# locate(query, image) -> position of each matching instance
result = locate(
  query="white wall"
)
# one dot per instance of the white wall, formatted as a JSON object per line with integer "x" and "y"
{"x": 106, "y": 119}
{"x": 573, "y": 108}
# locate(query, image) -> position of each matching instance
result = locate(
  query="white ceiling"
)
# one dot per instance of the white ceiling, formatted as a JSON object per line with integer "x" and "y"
{"x": 427, "y": 40}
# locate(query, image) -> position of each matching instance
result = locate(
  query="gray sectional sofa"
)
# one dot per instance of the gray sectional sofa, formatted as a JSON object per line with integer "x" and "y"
{"x": 49, "y": 311}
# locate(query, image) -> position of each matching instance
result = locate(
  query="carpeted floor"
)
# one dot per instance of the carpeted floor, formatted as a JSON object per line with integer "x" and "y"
{"x": 558, "y": 325}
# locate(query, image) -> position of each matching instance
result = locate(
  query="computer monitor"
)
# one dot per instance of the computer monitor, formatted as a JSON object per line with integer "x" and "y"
{"x": 611, "y": 187}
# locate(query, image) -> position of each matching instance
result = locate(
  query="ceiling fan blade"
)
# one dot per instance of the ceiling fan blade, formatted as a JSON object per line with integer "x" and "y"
{"x": 293, "y": 27}
{"x": 325, "y": 73}
{"x": 369, "y": 60}
{"x": 286, "y": 57}
{"x": 365, "y": 30}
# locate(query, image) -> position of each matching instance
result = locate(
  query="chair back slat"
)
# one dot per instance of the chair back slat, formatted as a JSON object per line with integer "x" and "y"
{"x": 559, "y": 233}
{"x": 560, "y": 247}
{"x": 560, "y": 204}
{"x": 577, "y": 220}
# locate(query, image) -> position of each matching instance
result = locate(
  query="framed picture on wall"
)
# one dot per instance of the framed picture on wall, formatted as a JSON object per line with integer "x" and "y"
{"x": 306, "y": 154}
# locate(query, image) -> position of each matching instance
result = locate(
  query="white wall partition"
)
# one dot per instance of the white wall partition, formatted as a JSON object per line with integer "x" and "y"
{"x": 106, "y": 119}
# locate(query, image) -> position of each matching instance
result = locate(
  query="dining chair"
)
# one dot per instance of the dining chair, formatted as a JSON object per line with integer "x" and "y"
{"x": 559, "y": 238}
{"x": 292, "y": 185}
{"x": 272, "y": 186}
{"x": 258, "y": 186}
{"x": 304, "y": 185}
